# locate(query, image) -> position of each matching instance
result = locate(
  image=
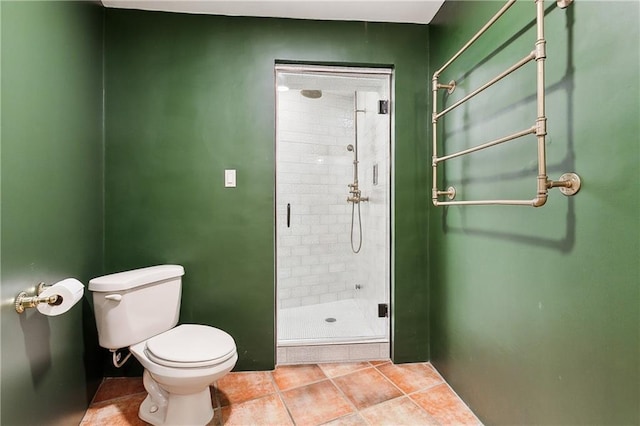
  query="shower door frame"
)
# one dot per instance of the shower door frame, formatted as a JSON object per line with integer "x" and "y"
{"x": 389, "y": 256}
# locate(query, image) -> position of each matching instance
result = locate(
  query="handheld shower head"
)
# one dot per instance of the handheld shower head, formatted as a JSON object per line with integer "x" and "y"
{"x": 349, "y": 147}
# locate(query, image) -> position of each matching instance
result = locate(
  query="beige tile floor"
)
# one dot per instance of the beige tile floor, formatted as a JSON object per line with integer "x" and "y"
{"x": 363, "y": 393}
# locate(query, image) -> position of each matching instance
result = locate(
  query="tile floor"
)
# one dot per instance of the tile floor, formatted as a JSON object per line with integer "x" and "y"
{"x": 362, "y": 393}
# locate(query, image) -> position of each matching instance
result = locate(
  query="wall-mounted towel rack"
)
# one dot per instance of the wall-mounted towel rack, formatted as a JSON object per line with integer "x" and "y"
{"x": 569, "y": 183}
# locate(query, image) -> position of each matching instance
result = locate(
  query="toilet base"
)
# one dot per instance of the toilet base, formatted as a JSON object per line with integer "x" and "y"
{"x": 182, "y": 410}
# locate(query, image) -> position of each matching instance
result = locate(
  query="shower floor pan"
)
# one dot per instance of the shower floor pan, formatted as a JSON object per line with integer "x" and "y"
{"x": 340, "y": 322}
{"x": 305, "y": 335}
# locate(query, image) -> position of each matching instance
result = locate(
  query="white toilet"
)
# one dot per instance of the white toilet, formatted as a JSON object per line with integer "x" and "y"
{"x": 139, "y": 309}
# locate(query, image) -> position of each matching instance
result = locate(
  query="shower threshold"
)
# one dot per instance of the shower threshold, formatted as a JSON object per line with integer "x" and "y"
{"x": 315, "y": 354}
{"x": 325, "y": 342}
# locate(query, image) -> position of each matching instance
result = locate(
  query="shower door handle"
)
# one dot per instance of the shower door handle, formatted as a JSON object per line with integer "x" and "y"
{"x": 288, "y": 215}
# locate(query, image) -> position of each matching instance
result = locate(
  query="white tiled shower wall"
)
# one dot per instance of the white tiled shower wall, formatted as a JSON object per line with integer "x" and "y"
{"x": 315, "y": 261}
{"x": 313, "y": 170}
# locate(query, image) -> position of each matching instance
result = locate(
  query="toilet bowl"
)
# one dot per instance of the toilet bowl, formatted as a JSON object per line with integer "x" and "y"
{"x": 139, "y": 309}
{"x": 180, "y": 365}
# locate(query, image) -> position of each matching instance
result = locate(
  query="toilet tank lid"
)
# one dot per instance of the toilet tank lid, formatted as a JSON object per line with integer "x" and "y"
{"x": 138, "y": 277}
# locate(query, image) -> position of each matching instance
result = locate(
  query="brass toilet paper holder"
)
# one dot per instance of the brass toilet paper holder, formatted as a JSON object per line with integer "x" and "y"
{"x": 24, "y": 301}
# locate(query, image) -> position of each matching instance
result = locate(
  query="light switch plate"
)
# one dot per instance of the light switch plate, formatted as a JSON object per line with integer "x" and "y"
{"x": 230, "y": 178}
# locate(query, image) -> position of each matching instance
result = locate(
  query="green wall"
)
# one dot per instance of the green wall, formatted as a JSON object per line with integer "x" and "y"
{"x": 534, "y": 313}
{"x": 52, "y": 210}
{"x": 188, "y": 96}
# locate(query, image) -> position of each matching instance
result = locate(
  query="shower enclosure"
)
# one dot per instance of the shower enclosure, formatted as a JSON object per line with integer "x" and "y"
{"x": 333, "y": 190}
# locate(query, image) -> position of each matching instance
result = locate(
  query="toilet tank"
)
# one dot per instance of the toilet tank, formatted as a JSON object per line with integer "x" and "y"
{"x": 136, "y": 305}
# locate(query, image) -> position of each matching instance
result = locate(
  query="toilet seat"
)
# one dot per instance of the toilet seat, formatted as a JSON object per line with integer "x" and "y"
{"x": 190, "y": 346}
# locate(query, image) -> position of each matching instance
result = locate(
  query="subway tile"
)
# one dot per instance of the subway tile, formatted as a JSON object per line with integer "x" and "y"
{"x": 328, "y": 219}
{"x": 319, "y": 269}
{"x": 284, "y": 293}
{"x": 300, "y": 291}
{"x": 301, "y": 230}
{"x": 319, "y": 289}
{"x": 310, "y": 280}
{"x": 310, "y": 300}
{"x": 289, "y": 303}
{"x": 366, "y": 351}
{"x": 290, "y": 282}
{"x": 344, "y": 238}
{"x": 310, "y": 239}
{"x": 328, "y": 297}
{"x": 336, "y": 287}
{"x": 309, "y": 260}
{"x": 284, "y": 273}
{"x": 300, "y": 251}
{"x": 289, "y": 240}
{"x": 284, "y": 251}
{"x": 337, "y": 267}
{"x": 320, "y": 228}
{"x": 299, "y": 355}
{"x": 333, "y": 353}
{"x": 346, "y": 294}
{"x": 298, "y": 271}
{"x": 319, "y": 250}
{"x": 281, "y": 355}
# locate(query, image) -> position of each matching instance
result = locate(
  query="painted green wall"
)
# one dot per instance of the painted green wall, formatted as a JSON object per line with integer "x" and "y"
{"x": 188, "y": 96}
{"x": 535, "y": 312}
{"x": 52, "y": 210}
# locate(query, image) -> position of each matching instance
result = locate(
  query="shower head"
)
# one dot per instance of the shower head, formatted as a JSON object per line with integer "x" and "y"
{"x": 349, "y": 147}
{"x": 311, "y": 94}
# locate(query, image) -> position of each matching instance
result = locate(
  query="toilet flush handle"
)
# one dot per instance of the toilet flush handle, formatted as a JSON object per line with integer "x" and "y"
{"x": 114, "y": 297}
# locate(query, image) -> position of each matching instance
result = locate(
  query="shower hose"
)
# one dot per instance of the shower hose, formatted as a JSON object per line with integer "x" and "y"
{"x": 353, "y": 211}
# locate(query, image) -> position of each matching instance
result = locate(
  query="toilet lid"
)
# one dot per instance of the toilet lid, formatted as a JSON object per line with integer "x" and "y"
{"x": 191, "y": 345}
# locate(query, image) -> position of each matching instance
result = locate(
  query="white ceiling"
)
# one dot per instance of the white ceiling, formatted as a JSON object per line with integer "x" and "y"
{"x": 409, "y": 11}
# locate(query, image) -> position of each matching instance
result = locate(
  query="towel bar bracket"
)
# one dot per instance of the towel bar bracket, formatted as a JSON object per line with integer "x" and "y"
{"x": 450, "y": 193}
{"x": 450, "y": 87}
{"x": 568, "y": 184}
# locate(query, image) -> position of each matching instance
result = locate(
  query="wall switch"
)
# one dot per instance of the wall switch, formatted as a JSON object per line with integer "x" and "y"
{"x": 230, "y": 178}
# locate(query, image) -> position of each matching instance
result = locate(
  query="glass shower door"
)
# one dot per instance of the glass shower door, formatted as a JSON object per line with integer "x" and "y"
{"x": 332, "y": 206}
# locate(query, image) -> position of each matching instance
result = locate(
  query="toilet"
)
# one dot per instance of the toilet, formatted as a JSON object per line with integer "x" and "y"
{"x": 139, "y": 310}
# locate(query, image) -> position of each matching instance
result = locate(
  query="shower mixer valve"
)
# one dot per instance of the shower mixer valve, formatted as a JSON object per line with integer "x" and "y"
{"x": 355, "y": 194}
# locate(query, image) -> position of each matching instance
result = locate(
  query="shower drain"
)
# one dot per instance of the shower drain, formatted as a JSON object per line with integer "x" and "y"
{"x": 330, "y": 319}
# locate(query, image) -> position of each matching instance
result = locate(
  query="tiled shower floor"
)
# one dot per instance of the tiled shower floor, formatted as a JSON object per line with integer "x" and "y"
{"x": 363, "y": 393}
{"x": 306, "y": 323}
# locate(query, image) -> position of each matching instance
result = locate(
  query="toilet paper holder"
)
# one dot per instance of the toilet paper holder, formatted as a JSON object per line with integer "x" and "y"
{"x": 24, "y": 301}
